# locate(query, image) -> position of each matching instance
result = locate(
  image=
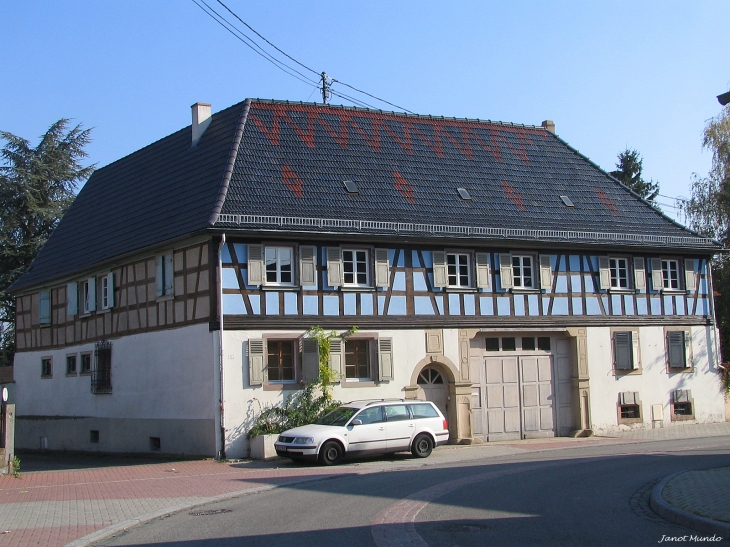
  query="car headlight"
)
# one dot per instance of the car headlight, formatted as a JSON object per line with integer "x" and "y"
{"x": 303, "y": 440}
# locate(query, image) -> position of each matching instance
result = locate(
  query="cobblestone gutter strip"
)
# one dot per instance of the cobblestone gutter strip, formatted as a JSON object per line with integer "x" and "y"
{"x": 109, "y": 531}
{"x": 685, "y": 518}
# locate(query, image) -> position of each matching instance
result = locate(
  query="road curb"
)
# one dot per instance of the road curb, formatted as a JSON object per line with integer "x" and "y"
{"x": 109, "y": 531}
{"x": 684, "y": 518}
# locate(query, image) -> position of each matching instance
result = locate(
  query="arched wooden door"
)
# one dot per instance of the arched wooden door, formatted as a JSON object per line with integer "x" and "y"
{"x": 435, "y": 387}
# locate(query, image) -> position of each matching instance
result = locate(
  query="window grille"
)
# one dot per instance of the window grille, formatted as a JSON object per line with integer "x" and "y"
{"x": 101, "y": 375}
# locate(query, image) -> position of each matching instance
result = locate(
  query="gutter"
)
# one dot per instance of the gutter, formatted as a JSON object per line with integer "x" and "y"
{"x": 222, "y": 451}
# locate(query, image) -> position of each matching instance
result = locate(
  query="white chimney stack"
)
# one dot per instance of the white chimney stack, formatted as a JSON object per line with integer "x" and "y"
{"x": 201, "y": 120}
{"x": 549, "y": 125}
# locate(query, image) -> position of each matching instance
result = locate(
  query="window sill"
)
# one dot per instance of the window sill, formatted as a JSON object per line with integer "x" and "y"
{"x": 71, "y": 375}
{"x": 344, "y": 288}
{"x": 680, "y": 370}
{"x": 85, "y": 373}
{"x": 627, "y": 372}
{"x": 525, "y": 291}
{"x": 44, "y": 325}
{"x": 283, "y": 387}
{"x": 460, "y": 289}
{"x": 85, "y": 315}
{"x": 628, "y": 421}
{"x": 46, "y": 377}
{"x": 105, "y": 310}
{"x": 681, "y": 417}
{"x": 165, "y": 298}
{"x": 366, "y": 383}
{"x": 621, "y": 291}
{"x": 279, "y": 287}
{"x": 675, "y": 292}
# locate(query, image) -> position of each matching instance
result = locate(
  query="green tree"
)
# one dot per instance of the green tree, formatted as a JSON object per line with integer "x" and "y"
{"x": 708, "y": 211}
{"x": 37, "y": 185}
{"x": 628, "y": 172}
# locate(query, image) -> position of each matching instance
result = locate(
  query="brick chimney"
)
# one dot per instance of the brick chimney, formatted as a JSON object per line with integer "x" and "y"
{"x": 201, "y": 120}
{"x": 549, "y": 125}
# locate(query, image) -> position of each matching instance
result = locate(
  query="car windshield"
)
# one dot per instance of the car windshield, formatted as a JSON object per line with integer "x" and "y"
{"x": 338, "y": 416}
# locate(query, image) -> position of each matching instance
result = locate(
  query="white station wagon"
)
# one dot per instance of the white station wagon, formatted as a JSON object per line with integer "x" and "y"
{"x": 367, "y": 427}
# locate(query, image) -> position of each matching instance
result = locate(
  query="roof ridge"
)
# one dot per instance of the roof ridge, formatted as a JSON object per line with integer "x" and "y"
{"x": 231, "y": 162}
{"x": 394, "y": 113}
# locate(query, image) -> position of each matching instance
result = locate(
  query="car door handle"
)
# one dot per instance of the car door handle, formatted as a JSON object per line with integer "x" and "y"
{"x": 382, "y": 428}
{"x": 411, "y": 425}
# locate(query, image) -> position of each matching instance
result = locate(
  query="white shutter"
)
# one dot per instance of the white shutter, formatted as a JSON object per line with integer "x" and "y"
{"x": 72, "y": 299}
{"x": 382, "y": 268}
{"x": 110, "y": 290}
{"x": 336, "y": 356}
{"x": 484, "y": 274}
{"x": 639, "y": 274}
{"x": 307, "y": 265}
{"x": 546, "y": 272}
{"x": 335, "y": 276}
{"x": 310, "y": 359}
{"x": 604, "y": 270}
{"x": 168, "y": 274}
{"x": 255, "y": 362}
{"x": 91, "y": 299}
{"x": 505, "y": 271}
{"x": 255, "y": 267}
{"x": 439, "y": 269}
{"x": 690, "y": 280}
{"x": 385, "y": 359}
{"x": 657, "y": 279}
{"x": 159, "y": 276}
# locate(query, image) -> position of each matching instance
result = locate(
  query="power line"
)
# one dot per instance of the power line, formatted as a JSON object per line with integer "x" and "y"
{"x": 325, "y": 87}
{"x": 235, "y": 32}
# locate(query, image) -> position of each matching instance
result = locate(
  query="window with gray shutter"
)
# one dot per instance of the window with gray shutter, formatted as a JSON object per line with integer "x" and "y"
{"x": 90, "y": 295}
{"x": 256, "y": 360}
{"x": 169, "y": 276}
{"x": 307, "y": 265}
{"x": 335, "y": 276}
{"x": 657, "y": 278}
{"x": 310, "y": 359}
{"x": 484, "y": 274}
{"x": 382, "y": 268}
{"x": 505, "y": 271}
{"x": 336, "y": 357}
{"x": 72, "y": 299}
{"x": 164, "y": 274}
{"x": 107, "y": 291}
{"x": 623, "y": 350}
{"x": 546, "y": 272}
{"x": 439, "y": 269}
{"x": 44, "y": 307}
{"x": 690, "y": 279}
{"x": 675, "y": 349}
{"x": 604, "y": 272}
{"x": 385, "y": 359}
{"x": 255, "y": 265}
{"x": 639, "y": 274}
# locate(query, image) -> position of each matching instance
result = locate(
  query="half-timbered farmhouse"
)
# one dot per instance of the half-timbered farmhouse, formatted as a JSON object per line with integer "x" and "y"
{"x": 489, "y": 267}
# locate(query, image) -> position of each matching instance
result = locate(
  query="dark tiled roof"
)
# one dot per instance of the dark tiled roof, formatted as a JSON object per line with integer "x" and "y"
{"x": 295, "y": 157}
{"x": 163, "y": 191}
{"x": 291, "y": 163}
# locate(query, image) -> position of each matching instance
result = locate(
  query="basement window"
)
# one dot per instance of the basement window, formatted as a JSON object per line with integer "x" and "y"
{"x": 351, "y": 186}
{"x": 464, "y": 193}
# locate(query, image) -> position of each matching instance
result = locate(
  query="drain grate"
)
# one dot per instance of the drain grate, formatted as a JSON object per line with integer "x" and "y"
{"x": 206, "y": 512}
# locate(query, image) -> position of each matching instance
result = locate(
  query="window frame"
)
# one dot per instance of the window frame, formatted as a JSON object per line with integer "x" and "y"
{"x": 469, "y": 269}
{"x": 635, "y": 349}
{"x": 666, "y": 275}
{"x": 292, "y": 258}
{"x": 616, "y": 268}
{"x": 521, "y": 266}
{"x": 689, "y": 367}
{"x": 82, "y": 370}
{"x": 621, "y": 405}
{"x": 681, "y": 417}
{"x": 75, "y": 371}
{"x": 368, "y": 268}
{"x": 87, "y": 296}
{"x": 368, "y": 355}
{"x": 296, "y": 373}
{"x": 47, "y": 373}
{"x": 45, "y": 311}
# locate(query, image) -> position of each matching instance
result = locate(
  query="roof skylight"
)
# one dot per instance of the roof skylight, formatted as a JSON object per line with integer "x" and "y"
{"x": 567, "y": 201}
{"x": 463, "y": 193}
{"x": 351, "y": 187}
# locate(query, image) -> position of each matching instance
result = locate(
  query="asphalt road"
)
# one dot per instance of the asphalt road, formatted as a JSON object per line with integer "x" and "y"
{"x": 591, "y": 495}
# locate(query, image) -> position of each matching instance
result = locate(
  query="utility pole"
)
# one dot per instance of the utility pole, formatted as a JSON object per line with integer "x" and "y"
{"x": 325, "y": 88}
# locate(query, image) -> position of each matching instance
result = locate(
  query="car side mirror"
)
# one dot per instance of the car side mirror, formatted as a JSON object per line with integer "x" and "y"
{"x": 356, "y": 422}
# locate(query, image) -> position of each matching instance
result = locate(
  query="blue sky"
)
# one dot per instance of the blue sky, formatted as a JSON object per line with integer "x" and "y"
{"x": 610, "y": 74}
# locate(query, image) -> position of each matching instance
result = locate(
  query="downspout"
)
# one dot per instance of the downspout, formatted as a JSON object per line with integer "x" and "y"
{"x": 222, "y": 451}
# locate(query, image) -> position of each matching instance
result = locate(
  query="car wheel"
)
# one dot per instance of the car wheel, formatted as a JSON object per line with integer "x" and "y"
{"x": 422, "y": 446}
{"x": 331, "y": 453}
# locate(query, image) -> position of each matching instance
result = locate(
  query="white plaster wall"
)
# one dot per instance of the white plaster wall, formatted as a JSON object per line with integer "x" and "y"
{"x": 654, "y": 385}
{"x": 159, "y": 375}
{"x": 243, "y": 402}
